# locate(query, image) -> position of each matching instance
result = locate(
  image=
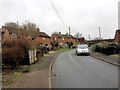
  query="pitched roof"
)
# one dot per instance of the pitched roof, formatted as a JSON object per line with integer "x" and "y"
{"x": 11, "y": 30}
{"x": 22, "y": 32}
{"x": 43, "y": 34}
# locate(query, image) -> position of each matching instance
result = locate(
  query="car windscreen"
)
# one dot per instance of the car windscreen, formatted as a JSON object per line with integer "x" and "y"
{"x": 82, "y": 46}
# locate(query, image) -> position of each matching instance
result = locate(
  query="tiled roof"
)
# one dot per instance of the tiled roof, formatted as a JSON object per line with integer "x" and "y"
{"x": 22, "y": 32}
{"x": 43, "y": 34}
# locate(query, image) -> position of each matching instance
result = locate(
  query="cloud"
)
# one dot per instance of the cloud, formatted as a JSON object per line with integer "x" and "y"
{"x": 83, "y": 16}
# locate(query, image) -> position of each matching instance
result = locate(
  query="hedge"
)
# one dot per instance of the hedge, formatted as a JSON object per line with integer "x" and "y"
{"x": 106, "y": 48}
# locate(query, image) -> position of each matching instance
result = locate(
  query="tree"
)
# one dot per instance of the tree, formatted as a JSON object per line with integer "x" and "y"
{"x": 30, "y": 26}
{"x": 55, "y": 32}
{"x": 78, "y": 35}
{"x": 98, "y": 38}
{"x": 12, "y": 24}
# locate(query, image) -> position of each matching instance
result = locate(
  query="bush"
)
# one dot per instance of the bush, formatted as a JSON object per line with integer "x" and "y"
{"x": 12, "y": 56}
{"x": 107, "y": 49}
{"x": 117, "y": 49}
{"x": 96, "y": 48}
{"x": 14, "y": 52}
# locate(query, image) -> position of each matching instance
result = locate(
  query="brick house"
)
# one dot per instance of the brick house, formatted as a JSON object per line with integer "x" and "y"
{"x": 117, "y": 36}
{"x": 8, "y": 34}
{"x": 62, "y": 39}
{"x": 81, "y": 40}
{"x": 42, "y": 38}
{"x": 11, "y": 34}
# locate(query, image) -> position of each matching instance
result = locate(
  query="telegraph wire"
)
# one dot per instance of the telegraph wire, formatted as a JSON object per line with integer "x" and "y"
{"x": 57, "y": 13}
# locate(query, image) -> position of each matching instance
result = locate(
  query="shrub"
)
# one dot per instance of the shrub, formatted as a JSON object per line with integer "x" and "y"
{"x": 96, "y": 48}
{"x": 106, "y": 48}
{"x": 14, "y": 52}
{"x": 117, "y": 49}
{"x": 12, "y": 56}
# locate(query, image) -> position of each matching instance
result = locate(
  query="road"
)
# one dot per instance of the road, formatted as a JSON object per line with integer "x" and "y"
{"x": 72, "y": 71}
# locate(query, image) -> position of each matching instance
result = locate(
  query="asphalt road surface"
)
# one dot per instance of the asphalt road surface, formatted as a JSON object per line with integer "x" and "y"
{"x": 72, "y": 71}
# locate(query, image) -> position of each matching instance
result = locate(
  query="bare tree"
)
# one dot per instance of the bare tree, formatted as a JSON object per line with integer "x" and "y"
{"x": 78, "y": 35}
{"x": 12, "y": 24}
{"x": 30, "y": 25}
{"x": 98, "y": 38}
{"x": 55, "y": 32}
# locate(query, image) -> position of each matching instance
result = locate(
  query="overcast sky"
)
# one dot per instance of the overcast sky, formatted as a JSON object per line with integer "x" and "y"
{"x": 83, "y": 16}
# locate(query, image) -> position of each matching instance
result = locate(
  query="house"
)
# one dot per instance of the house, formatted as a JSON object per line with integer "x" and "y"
{"x": 100, "y": 41}
{"x": 8, "y": 34}
{"x": 43, "y": 39}
{"x": 117, "y": 36}
{"x": 81, "y": 40}
{"x": 63, "y": 39}
{"x": 11, "y": 34}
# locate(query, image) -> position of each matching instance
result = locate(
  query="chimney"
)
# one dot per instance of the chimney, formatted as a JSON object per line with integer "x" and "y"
{"x": 38, "y": 29}
{"x": 69, "y": 30}
{"x": 60, "y": 33}
{"x": 66, "y": 33}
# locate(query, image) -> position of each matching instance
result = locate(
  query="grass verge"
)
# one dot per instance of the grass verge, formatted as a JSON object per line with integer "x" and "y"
{"x": 64, "y": 49}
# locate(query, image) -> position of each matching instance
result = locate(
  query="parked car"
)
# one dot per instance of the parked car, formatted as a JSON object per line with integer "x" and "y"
{"x": 82, "y": 49}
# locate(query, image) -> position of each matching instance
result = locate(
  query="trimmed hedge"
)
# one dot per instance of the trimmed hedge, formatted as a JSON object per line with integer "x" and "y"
{"x": 107, "y": 49}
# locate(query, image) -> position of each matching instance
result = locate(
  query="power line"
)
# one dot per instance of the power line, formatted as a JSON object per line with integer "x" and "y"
{"x": 56, "y": 11}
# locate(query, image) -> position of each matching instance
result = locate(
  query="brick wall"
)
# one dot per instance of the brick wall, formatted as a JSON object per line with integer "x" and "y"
{"x": 6, "y": 36}
{"x": 43, "y": 40}
{"x": 117, "y": 36}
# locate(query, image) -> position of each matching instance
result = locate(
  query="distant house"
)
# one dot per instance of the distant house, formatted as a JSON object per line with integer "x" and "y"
{"x": 42, "y": 38}
{"x": 100, "y": 41}
{"x": 63, "y": 39}
{"x": 117, "y": 36}
{"x": 81, "y": 40}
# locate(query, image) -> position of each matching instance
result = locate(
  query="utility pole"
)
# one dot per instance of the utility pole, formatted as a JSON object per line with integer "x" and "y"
{"x": 100, "y": 34}
{"x": 89, "y": 37}
{"x": 69, "y": 30}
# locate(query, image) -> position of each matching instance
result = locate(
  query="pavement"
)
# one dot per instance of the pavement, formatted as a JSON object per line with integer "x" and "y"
{"x": 112, "y": 59}
{"x": 37, "y": 75}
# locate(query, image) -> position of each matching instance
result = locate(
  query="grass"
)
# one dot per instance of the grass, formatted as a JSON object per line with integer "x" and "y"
{"x": 9, "y": 78}
{"x": 64, "y": 49}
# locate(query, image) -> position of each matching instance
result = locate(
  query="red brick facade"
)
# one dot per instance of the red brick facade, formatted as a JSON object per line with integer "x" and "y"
{"x": 6, "y": 35}
{"x": 117, "y": 36}
{"x": 63, "y": 38}
{"x": 43, "y": 40}
{"x": 10, "y": 34}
